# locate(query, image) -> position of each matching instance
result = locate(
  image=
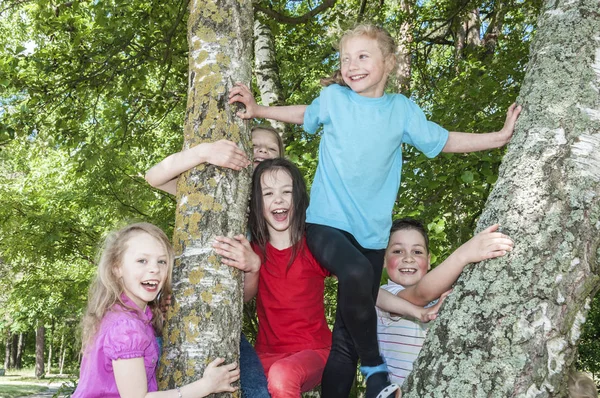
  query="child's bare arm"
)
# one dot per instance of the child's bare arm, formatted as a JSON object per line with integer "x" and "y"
{"x": 236, "y": 252}
{"x": 466, "y": 142}
{"x": 485, "y": 245}
{"x": 287, "y": 114}
{"x": 130, "y": 377}
{"x": 393, "y": 304}
{"x": 222, "y": 153}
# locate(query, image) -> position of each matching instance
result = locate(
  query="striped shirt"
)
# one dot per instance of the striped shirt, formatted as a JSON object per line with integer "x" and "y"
{"x": 400, "y": 340}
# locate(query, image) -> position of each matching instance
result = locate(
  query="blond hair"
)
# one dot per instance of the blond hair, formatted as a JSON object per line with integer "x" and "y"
{"x": 275, "y": 134}
{"x": 386, "y": 43}
{"x": 106, "y": 288}
{"x": 581, "y": 386}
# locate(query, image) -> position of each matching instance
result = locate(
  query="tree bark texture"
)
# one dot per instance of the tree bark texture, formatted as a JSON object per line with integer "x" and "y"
{"x": 204, "y": 321}
{"x": 39, "y": 351}
{"x": 7, "y": 350}
{"x": 267, "y": 71}
{"x": 20, "y": 350}
{"x": 510, "y": 328}
{"x": 14, "y": 346}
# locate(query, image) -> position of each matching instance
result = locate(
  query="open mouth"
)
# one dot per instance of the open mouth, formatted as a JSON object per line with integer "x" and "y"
{"x": 280, "y": 214}
{"x": 407, "y": 271}
{"x": 357, "y": 77}
{"x": 151, "y": 285}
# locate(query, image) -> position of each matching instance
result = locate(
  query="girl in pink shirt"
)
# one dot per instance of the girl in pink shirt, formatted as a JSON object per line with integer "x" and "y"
{"x": 122, "y": 320}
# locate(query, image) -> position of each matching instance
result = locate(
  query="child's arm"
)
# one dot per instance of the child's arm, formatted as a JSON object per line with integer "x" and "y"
{"x": 485, "y": 245}
{"x": 287, "y": 114}
{"x": 393, "y": 304}
{"x": 220, "y": 153}
{"x": 238, "y": 253}
{"x": 466, "y": 142}
{"x": 130, "y": 376}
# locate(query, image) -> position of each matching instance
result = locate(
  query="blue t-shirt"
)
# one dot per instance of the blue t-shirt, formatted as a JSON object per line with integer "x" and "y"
{"x": 360, "y": 159}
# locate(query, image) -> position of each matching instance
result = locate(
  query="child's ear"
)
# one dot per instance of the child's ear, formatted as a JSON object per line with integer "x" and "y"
{"x": 117, "y": 271}
{"x": 429, "y": 262}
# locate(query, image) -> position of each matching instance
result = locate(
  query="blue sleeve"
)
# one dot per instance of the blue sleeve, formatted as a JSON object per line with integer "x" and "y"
{"x": 424, "y": 135}
{"x": 317, "y": 113}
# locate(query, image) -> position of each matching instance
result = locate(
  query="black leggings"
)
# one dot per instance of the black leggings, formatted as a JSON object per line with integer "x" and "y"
{"x": 355, "y": 330}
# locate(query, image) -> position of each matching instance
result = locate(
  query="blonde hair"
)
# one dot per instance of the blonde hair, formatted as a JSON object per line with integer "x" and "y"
{"x": 106, "y": 288}
{"x": 275, "y": 134}
{"x": 581, "y": 386}
{"x": 386, "y": 43}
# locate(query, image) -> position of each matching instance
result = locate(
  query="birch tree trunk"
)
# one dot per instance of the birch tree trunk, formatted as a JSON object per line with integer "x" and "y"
{"x": 204, "y": 321}
{"x": 511, "y": 326}
{"x": 20, "y": 348}
{"x": 267, "y": 71}
{"x": 7, "y": 350}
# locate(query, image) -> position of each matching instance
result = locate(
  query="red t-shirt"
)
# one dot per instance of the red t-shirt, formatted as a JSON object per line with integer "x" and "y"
{"x": 290, "y": 308}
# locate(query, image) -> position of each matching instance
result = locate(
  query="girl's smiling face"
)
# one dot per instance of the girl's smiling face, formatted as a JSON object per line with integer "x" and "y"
{"x": 276, "y": 186}
{"x": 143, "y": 269}
{"x": 364, "y": 68}
{"x": 406, "y": 257}
{"x": 265, "y": 145}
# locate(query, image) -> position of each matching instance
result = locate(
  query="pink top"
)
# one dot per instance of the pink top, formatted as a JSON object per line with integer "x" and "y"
{"x": 123, "y": 334}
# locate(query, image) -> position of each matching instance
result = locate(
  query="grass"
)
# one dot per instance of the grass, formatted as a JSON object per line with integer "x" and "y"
{"x": 19, "y": 390}
{"x": 19, "y": 383}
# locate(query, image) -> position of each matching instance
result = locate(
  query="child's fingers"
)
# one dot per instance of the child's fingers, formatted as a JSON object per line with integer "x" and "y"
{"x": 216, "y": 362}
{"x": 230, "y": 366}
{"x": 243, "y": 115}
{"x": 491, "y": 228}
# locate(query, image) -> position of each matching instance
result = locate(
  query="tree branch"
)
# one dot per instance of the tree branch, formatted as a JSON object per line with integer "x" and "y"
{"x": 295, "y": 20}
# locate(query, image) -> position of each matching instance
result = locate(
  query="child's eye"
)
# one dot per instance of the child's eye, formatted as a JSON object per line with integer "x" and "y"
{"x": 142, "y": 261}
{"x": 418, "y": 252}
{"x": 397, "y": 251}
{"x": 273, "y": 149}
{"x": 267, "y": 193}
{"x": 363, "y": 56}
{"x": 162, "y": 262}
{"x": 287, "y": 191}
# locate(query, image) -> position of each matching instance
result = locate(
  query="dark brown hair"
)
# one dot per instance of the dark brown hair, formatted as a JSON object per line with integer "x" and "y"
{"x": 410, "y": 224}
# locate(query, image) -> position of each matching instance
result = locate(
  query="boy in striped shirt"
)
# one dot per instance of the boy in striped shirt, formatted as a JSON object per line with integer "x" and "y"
{"x": 402, "y": 326}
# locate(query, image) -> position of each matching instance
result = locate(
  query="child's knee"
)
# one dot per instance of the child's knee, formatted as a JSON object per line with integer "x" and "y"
{"x": 283, "y": 381}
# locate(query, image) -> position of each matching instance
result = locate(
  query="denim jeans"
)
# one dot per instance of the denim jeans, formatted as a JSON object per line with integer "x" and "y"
{"x": 252, "y": 376}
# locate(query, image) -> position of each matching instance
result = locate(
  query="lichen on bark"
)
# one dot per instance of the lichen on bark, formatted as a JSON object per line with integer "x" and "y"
{"x": 204, "y": 321}
{"x": 511, "y": 325}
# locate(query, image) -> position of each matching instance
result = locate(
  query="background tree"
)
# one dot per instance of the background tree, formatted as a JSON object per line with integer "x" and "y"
{"x": 511, "y": 325}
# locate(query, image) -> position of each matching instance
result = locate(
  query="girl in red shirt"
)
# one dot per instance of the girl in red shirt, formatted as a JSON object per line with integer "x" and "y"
{"x": 293, "y": 340}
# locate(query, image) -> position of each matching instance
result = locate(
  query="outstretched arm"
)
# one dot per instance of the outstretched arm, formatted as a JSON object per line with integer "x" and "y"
{"x": 287, "y": 114}
{"x": 393, "y": 304}
{"x": 237, "y": 252}
{"x": 130, "y": 377}
{"x": 222, "y": 153}
{"x": 485, "y": 245}
{"x": 467, "y": 142}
